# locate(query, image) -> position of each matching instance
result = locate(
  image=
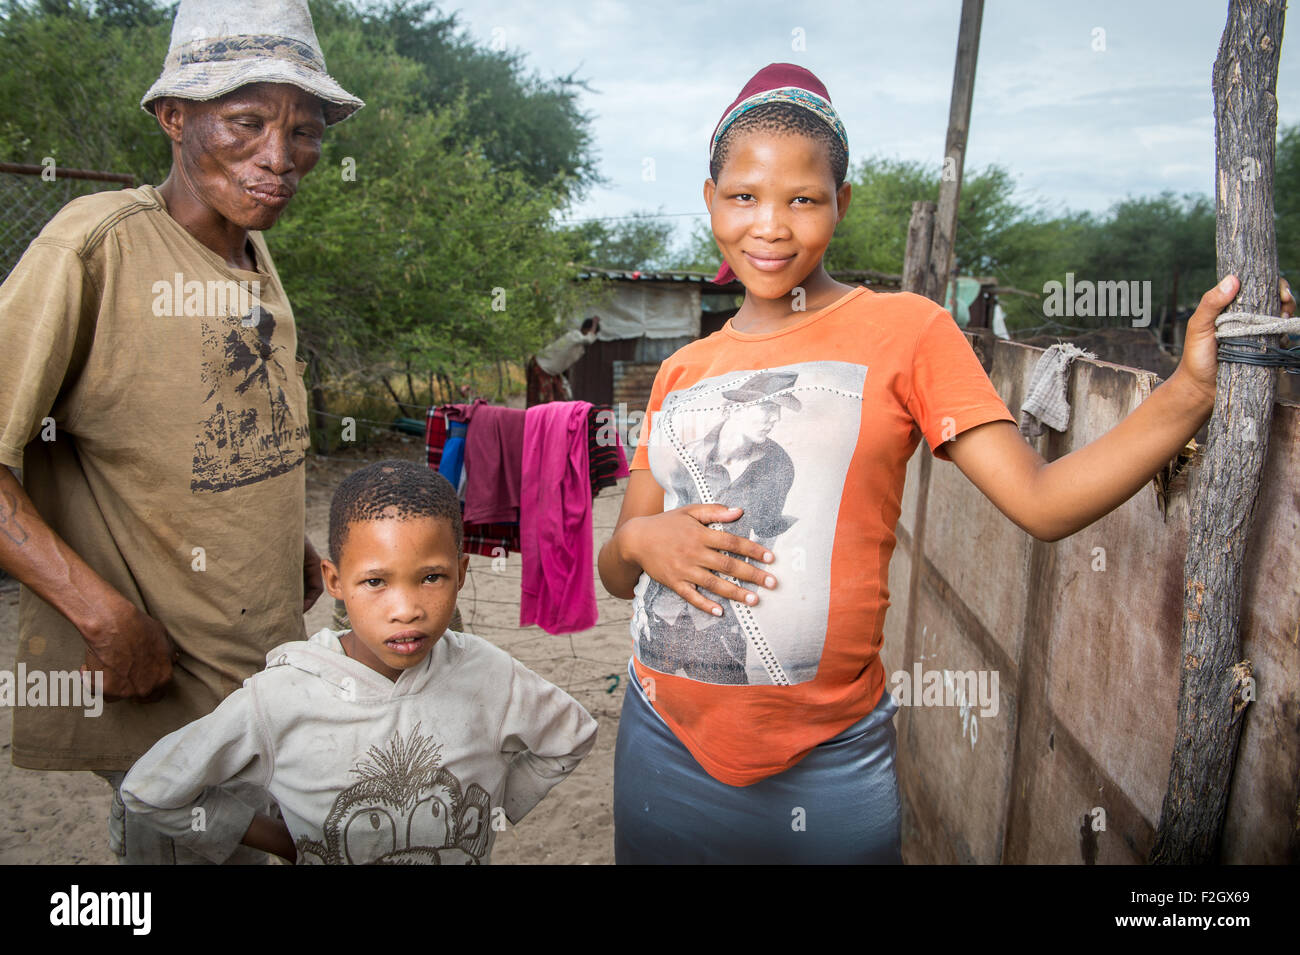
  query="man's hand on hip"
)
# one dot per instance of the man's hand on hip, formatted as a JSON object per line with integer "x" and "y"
{"x": 134, "y": 652}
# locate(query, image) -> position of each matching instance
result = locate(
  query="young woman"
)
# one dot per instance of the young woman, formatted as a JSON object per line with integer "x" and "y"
{"x": 757, "y": 726}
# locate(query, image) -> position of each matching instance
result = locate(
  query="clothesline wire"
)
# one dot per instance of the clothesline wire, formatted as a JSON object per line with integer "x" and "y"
{"x": 420, "y": 406}
{"x": 328, "y": 457}
{"x": 385, "y": 425}
{"x": 512, "y": 223}
{"x": 570, "y": 681}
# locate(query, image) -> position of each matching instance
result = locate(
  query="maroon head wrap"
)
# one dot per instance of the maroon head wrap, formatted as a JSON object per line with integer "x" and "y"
{"x": 777, "y": 83}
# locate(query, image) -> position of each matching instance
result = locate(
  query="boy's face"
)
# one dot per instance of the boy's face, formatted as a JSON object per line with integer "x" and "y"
{"x": 774, "y": 209}
{"x": 399, "y": 580}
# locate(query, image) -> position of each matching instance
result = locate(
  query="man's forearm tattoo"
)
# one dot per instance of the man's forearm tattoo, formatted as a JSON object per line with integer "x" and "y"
{"x": 9, "y": 519}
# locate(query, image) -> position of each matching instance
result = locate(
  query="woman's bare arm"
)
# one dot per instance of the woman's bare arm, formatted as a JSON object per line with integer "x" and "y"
{"x": 1052, "y": 501}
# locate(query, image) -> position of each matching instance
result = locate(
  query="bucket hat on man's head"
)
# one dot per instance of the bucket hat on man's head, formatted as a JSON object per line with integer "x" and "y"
{"x": 218, "y": 46}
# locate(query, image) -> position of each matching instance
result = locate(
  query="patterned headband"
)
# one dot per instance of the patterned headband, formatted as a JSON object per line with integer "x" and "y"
{"x": 794, "y": 95}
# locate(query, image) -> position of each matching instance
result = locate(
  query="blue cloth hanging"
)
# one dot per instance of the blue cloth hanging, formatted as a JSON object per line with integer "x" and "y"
{"x": 453, "y": 452}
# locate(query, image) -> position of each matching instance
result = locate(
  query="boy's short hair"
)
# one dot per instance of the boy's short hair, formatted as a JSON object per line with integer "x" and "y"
{"x": 410, "y": 490}
{"x": 784, "y": 118}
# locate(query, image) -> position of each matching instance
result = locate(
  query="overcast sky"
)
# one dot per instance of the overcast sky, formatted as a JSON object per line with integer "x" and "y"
{"x": 1077, "y": 128}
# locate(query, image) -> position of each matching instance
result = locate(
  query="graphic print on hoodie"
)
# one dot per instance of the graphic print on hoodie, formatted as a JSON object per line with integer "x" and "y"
{"x": 405, "y": 810}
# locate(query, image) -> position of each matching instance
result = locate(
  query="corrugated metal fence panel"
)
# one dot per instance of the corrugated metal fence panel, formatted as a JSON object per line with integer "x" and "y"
{"x": 592, "y": 377}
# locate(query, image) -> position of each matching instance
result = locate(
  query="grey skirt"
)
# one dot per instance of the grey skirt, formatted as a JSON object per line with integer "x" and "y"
{"x": 839, "y": 804}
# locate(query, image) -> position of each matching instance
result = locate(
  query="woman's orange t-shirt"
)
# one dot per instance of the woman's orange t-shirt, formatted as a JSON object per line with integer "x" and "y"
{"x": 809, "y": 429}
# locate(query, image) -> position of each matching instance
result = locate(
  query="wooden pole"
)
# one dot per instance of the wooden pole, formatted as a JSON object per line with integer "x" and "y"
{"x": 1216, "y": 684}
{"x": 920, "y": 236}
{"x": 954, "y": 153}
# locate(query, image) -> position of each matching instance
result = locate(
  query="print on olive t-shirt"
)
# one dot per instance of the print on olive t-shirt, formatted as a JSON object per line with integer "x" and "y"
{"x": 248, "y": 432}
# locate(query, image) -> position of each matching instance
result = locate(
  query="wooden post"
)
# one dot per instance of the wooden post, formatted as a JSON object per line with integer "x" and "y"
{"x": 1216, "y": 684}
{"x": 916, "y": 266}
{"x": 920, "y": 235}
{"x": 954, "y": 152}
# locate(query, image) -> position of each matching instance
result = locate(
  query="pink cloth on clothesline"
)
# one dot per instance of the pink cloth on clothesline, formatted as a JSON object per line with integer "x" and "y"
{"x": 494, "y": 450}
{"x": 558, "y": 590}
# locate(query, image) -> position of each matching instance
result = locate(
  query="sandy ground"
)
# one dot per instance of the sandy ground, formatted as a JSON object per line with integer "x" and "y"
{"x": 59, "y": 817}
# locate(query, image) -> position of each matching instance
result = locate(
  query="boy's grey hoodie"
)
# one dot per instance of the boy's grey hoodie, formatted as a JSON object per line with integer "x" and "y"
{"x": 365, "y": 769}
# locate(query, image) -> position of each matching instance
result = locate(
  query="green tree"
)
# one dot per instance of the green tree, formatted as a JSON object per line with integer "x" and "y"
{"x": 698, "y": 252}
{"x": 520, "y": 121}
{"x": 873, "y": 234}
{"x": 71, "y": 79}
{"x": 1166, "y": 240}
{"x": 639, "y": 241}
{"x": 406, "y": 250}
{"x": 1286, "y": 201}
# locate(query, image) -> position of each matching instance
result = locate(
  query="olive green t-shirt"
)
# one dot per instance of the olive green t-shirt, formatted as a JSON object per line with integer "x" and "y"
{"x": 152, "y": 397}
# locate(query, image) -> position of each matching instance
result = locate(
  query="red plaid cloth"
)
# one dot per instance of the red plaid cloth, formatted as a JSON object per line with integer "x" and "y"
{"x": 435, "y": 436}
{"x": 488, "y": 539}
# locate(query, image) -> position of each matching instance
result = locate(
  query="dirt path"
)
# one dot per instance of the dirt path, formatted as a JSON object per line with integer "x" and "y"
{"x": 59, "y": 817}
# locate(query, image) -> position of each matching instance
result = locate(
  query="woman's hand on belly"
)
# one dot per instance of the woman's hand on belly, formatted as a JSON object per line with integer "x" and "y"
{"x": 679, "y": 549}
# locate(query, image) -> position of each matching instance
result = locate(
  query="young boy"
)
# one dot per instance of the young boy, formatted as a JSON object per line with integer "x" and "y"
{"x": 397, "y": 742}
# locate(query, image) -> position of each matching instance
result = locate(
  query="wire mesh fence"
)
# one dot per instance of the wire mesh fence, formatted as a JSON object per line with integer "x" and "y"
{"x": 31, "y": 195}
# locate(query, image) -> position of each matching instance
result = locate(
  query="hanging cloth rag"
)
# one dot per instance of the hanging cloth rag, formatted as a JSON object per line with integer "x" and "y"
{"x": 464, "y": 412}
{"x": 494, "y": 465}
{"x": 1046, "y": 399}
{"x": 439, "y": 419}
{"x": 558, "y": 590}
{"x": 435, "y": 437}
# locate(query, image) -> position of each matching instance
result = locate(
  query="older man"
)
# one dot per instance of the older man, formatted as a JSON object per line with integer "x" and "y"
{"x": 150, "y": 392}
